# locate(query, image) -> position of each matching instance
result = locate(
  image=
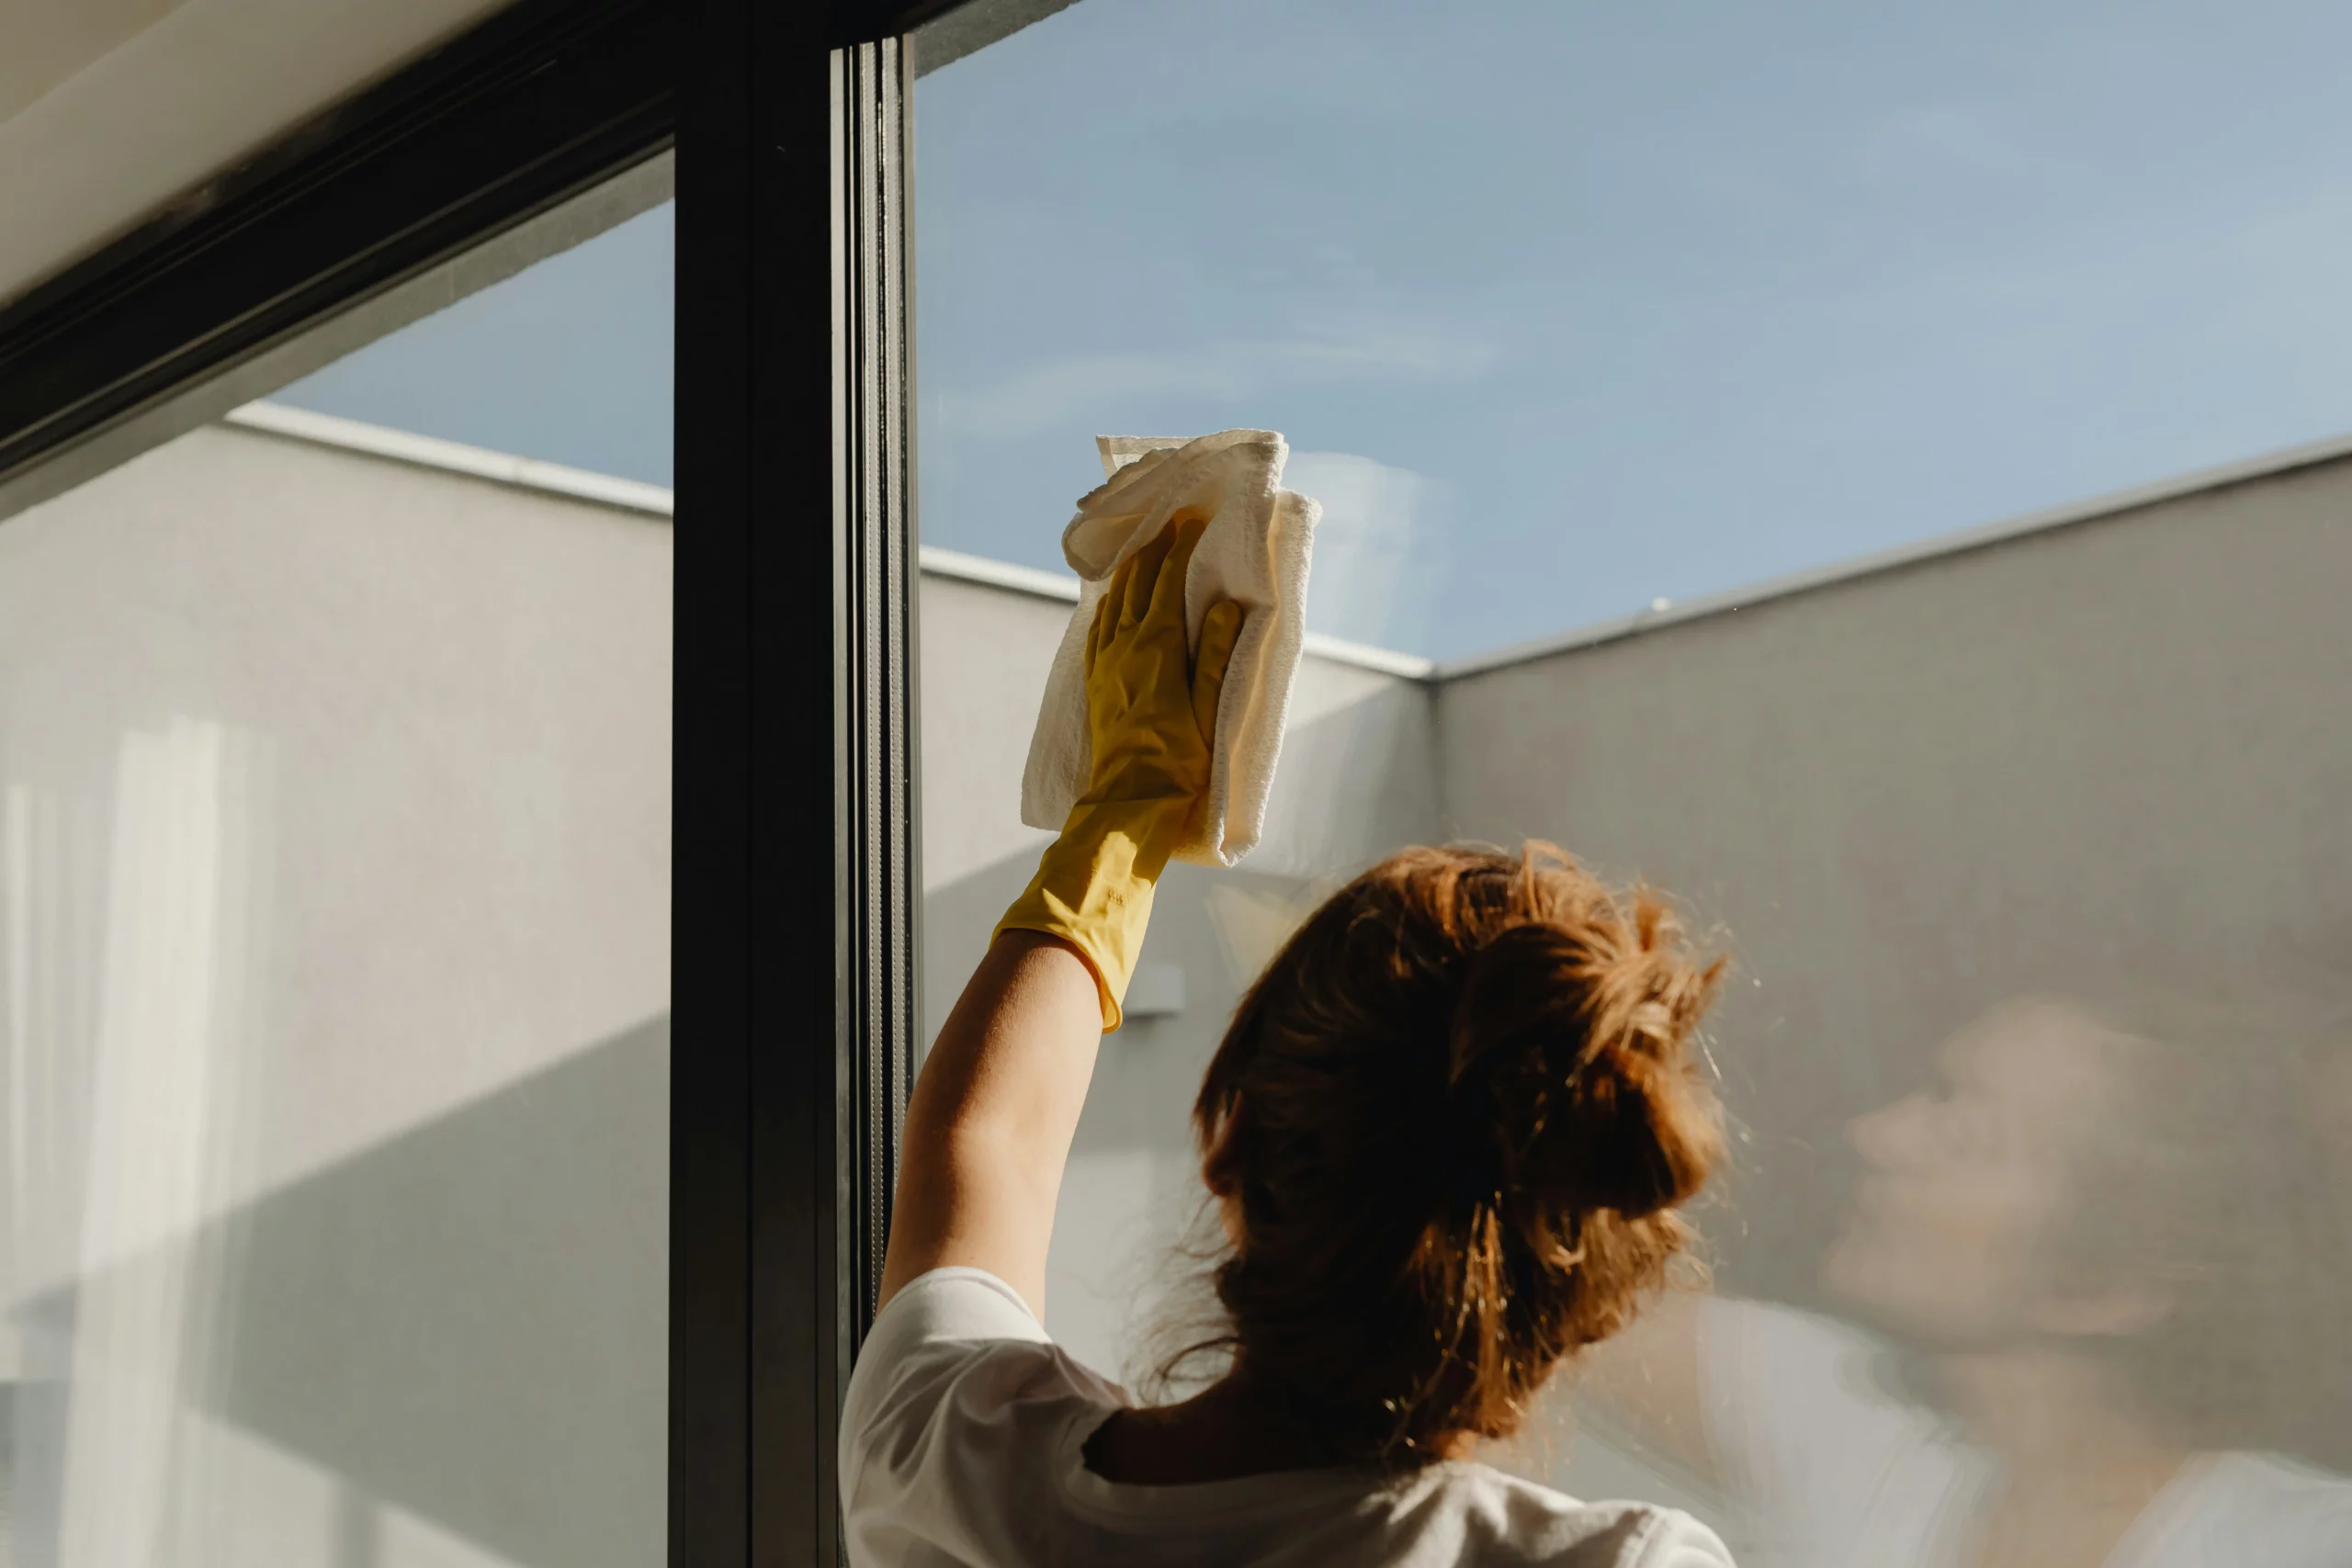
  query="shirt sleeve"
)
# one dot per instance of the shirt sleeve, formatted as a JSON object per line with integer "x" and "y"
{"x": 956, "y": 1383}
{"x": 1676, "y": 1539}
{"x": 934, "y": 1324}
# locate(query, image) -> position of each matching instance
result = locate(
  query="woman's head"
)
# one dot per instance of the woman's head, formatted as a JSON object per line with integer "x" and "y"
{"x": 1449, "y": 1127}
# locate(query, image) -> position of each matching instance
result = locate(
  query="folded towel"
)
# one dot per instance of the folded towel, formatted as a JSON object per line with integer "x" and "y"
{"x": 1255, "y": 552}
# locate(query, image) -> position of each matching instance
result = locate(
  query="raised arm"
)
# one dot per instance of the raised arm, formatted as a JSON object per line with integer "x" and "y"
{"x": 989, "y": 1123}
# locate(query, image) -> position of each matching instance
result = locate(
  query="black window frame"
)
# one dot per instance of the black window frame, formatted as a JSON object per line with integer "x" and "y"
{"x": 792, "y": 995}
{"x": 791, "y": 386}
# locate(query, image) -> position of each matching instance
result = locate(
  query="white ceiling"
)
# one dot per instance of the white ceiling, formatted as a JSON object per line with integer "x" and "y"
{"x": 110, "y": 108}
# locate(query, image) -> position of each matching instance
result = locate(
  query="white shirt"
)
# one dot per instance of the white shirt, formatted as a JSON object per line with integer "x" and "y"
{"x": 962, "y": 1440}
{"x": 1833, "y": 1470}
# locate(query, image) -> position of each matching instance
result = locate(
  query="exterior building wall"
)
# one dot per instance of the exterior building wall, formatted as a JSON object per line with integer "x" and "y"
{"x": 401, "y": 1022}
{"x": 2114, "y": 751}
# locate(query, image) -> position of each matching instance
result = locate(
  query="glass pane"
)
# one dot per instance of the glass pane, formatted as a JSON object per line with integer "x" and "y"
{"x": 1768, "y": 451}
{"x": 335, "y": 771}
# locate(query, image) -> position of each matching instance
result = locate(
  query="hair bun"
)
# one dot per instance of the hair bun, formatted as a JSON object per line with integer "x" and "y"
{"x": 1447, "y": 1130}
{"x": 1571, "y": 1083}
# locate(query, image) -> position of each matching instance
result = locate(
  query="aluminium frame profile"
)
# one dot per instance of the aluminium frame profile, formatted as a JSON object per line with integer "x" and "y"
{"x": 793, "y": 302}
{"x": 788, "y": 1041}
{"x": 877, "y": 880}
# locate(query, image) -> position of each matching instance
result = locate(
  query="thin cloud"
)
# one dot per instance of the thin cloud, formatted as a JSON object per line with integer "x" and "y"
{"x": 1948, "y": 141}
{"x": 1377, "y": 561}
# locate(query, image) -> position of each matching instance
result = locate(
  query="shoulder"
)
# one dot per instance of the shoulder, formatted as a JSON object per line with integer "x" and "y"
{"x": 947, "y": 1306}
{"x": 1513, "y": 1520}
{"x": 2258, "y": 1509}
{"x": 954, "y": 1358}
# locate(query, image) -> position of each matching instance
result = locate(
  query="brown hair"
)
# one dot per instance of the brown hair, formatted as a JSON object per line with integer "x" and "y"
{"x": 1449, "y": 1125}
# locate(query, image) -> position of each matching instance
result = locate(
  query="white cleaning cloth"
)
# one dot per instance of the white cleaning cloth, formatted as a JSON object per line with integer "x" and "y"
{"x": 1254, "y": 552}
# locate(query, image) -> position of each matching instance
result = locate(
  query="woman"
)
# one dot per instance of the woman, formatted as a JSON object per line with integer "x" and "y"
{"x": 1446, "y": 1133}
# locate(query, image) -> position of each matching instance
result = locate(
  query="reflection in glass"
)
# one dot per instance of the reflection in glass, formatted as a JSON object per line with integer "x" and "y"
{"x": 2089, "y": 1293}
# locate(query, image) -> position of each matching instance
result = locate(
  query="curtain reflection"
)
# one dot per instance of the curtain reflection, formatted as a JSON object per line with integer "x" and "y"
{"x": 331, "y": 1013}
{"x": 165, "y": 1078}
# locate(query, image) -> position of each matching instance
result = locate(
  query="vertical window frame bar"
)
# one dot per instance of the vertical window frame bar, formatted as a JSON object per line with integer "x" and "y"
{"x": 875, "y": 542}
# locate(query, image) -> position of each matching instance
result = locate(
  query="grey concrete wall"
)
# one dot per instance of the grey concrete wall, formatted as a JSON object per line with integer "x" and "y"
{"x": 2116, "y": 746}
{"x": 336, "y": 876}
{"x": 2115, "y": 750}
{"x": 335, "y": 854}
{"x": 2117, "y": 753}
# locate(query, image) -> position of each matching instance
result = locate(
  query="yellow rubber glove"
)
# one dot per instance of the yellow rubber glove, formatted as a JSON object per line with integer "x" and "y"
{"x": 1151, "y": 720}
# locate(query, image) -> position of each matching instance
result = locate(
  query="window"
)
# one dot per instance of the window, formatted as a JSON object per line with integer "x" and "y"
{"x": 209, "y": 284}
{"x": 1875, "y": 474}
{"x": 335, "y": 862}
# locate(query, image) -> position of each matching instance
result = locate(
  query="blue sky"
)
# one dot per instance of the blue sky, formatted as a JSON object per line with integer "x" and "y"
{"x": 1564, "y": 306}
{"x": 569, "y": 362}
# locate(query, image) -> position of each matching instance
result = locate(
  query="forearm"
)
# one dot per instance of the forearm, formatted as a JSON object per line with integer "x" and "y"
{"x": 988, "y": 1126}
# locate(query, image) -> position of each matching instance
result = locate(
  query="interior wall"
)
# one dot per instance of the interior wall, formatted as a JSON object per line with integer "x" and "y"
{"x": 111, "y": 108}
{"x": 335, "y": 816}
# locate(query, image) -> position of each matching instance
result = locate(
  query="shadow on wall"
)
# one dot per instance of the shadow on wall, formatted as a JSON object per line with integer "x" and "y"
{"x": 448, "y": 1351}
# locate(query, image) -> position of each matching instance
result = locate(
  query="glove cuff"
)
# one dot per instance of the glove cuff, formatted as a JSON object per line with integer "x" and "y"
{"x": 1093, "y": 887}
